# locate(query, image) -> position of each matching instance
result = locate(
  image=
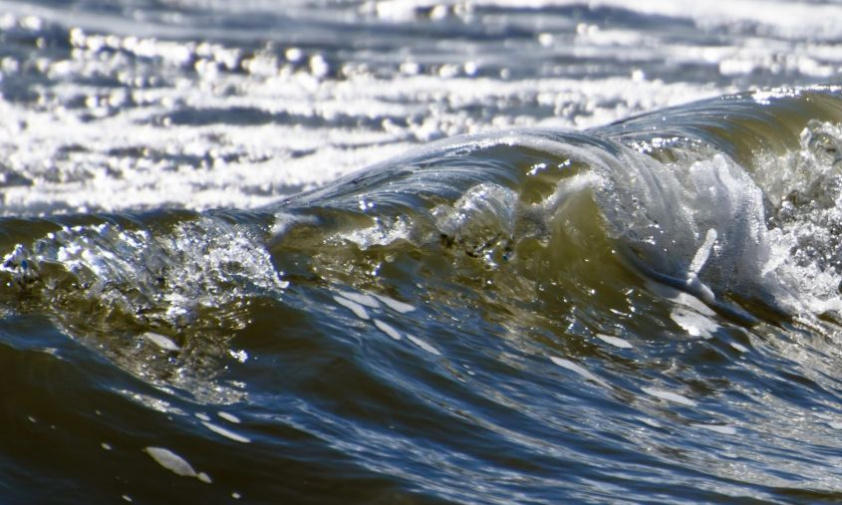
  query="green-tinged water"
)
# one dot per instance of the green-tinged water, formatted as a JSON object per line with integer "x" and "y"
{"x": 202, "y": 302}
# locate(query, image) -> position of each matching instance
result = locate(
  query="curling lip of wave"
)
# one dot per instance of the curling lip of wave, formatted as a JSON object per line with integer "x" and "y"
{"x": 685, "y": 193}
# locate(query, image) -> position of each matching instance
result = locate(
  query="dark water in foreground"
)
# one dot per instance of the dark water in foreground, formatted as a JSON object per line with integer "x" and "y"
{"x": 201, "y": 303}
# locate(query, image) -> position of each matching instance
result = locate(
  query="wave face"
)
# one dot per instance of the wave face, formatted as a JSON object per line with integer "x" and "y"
{"x": 644, "y": 311}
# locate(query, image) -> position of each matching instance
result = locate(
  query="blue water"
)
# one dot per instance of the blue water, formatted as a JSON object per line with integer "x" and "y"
{"x": 417, "y": 252}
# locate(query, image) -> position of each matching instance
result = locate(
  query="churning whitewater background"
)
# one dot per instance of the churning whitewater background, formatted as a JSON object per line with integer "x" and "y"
{"x": 594, "y": 258}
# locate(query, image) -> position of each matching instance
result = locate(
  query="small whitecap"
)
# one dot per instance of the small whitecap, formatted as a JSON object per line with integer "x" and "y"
{"x": 105, "y": 446}
{"x": 219, "y": 430}
{"x": 669, "y": 396}
{"x": 615, "y": 341}
{"x": 354, "y": 307}
{"x": 573, "y": 367}
{"x": 127, "y": 498}
{"x": 387, "y": 329}
{"x": 236, "y": 495}
{"x": 718, "y": 428}
{"x": 202, "y": 416}
{"x": 397, "y": 306}
{"x": 423, "y": 345}
{"x": 835, "y": 425}
{"x": 161, "y": 341}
